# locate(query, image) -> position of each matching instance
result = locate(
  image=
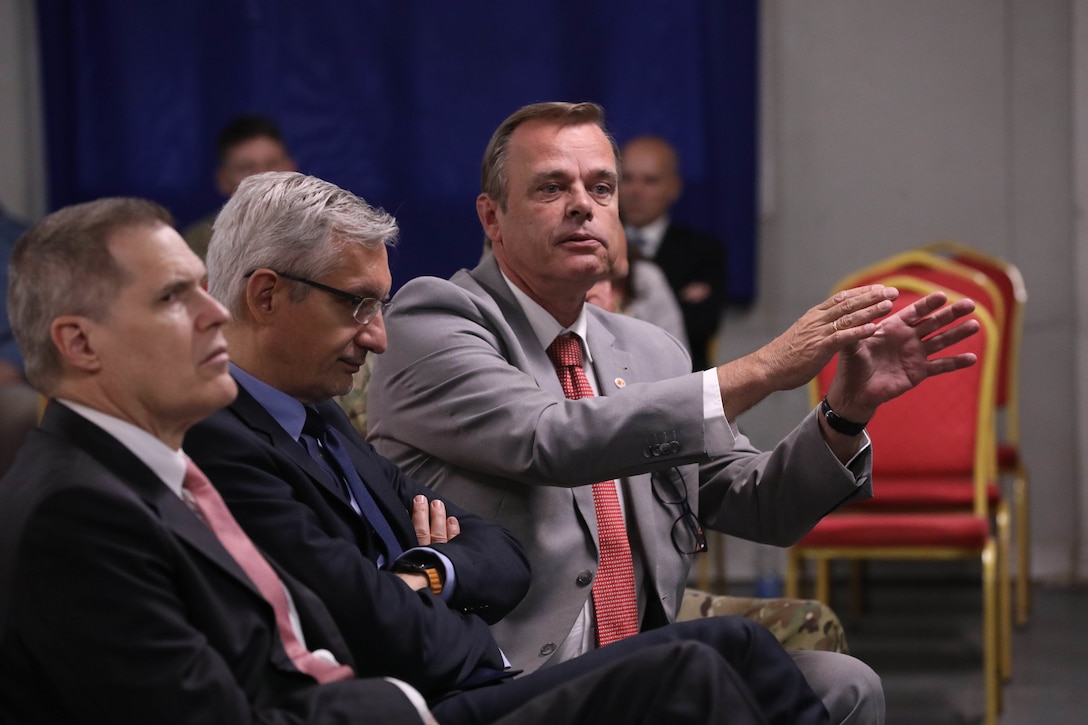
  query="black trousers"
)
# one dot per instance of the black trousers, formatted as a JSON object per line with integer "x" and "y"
{"x": 714, "y": 670}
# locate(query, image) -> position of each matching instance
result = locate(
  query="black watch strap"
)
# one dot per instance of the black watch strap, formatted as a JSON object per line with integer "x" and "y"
{"x": 838, "y": 423}
{"x": 433, "y": 572}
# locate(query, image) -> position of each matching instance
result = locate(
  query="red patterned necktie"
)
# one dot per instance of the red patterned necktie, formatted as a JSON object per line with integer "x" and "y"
{"x": 614, "y": 602}
{"x": 215, "y": 513}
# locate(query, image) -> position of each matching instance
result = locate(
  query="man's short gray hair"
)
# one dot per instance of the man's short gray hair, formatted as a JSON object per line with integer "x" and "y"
{"x": 290, "y": 223}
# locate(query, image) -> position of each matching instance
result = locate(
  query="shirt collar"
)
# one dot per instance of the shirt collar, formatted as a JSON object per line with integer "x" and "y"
{"x": 545, "y": 326}
{"x": 652, "y": 235}
{"x": 165, "y": 462}
{"x": 287, "y": 411}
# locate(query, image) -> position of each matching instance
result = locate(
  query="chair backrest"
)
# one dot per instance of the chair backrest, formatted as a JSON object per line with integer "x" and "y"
{"x": 1010, "y": 284}
{"x": 945, "y": 425}
{"x": 946, "y": 273}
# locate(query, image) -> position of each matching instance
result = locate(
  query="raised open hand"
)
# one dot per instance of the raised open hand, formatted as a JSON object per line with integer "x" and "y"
{"x": 899, "y": 355}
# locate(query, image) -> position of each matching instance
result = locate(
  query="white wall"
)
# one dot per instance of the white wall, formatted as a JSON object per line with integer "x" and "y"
{"x": 1079, "y": 543}
{"x": 890, "y": 123}
{"x": 22, "y": 187}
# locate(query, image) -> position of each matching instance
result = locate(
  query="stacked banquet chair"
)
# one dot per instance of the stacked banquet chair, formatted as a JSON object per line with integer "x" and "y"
{"x": 1010, "y": 284}
{"x": 913, "y": 495}
{"x": 938, "y": 437}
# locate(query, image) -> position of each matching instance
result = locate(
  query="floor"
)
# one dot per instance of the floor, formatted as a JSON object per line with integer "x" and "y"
{"x": 922, "y": 635}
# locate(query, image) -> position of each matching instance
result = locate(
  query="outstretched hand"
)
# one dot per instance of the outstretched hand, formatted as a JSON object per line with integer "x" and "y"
{"x": 899, "y": 355}
{"x": 879, "y": 359}
{"x": 798, "y": 354}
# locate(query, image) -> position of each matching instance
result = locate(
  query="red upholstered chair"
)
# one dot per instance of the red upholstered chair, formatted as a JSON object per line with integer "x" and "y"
{"x": 967, "y": 281}
{"x": 1010, "y": 284}
{"x": 938, "y": 436}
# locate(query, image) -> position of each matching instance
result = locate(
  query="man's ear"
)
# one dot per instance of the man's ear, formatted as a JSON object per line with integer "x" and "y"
{"x": 71, "y": 334}
{"x": 264, "y": 293}
{"x": 488, "y": 211}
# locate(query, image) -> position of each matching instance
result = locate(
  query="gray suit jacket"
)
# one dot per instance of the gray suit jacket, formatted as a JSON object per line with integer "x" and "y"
{"x": 466, "y": 400}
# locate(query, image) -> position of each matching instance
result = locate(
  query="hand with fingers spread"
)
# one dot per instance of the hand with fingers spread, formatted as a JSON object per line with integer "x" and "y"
{"x": 842, "y": 320}
{"x": 798, "y": 354}
{"x": 899, "y": 355}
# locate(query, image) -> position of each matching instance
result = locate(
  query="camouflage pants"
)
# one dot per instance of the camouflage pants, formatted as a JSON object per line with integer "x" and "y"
{"x": 799, "y": 624}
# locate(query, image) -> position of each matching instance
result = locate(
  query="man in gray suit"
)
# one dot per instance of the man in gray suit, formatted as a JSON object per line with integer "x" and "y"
{"x": 467, "y": 399}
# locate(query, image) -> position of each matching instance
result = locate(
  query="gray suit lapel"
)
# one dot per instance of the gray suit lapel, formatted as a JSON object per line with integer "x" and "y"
{"x": 531, "y": 359}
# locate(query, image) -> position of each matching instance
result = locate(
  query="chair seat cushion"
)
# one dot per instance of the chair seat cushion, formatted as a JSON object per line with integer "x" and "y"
{"x": 871, "y": 530}
{"x": 925, "y": 493}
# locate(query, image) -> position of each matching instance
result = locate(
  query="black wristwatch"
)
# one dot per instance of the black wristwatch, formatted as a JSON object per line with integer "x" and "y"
{"x": 838, "y": 423}
{"x": 433, "y": 573}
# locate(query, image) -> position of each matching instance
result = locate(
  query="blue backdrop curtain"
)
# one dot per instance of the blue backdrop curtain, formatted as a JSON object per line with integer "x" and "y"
{"x": 395, "y": 100}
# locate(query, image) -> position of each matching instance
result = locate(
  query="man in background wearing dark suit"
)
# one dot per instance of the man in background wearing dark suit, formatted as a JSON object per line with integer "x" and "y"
{"x": 693, "y": 262}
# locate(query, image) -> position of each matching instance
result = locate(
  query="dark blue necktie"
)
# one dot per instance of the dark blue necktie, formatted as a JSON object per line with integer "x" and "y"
{"x": 324, "y": 444}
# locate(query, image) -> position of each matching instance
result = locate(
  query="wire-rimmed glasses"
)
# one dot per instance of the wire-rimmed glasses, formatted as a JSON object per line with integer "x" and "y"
{"x": 364, "y": 309}
{"x": 687, "y": 533}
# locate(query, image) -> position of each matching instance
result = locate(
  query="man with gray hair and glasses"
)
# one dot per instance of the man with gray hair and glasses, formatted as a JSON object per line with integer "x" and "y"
{"x": 412, "y": 580}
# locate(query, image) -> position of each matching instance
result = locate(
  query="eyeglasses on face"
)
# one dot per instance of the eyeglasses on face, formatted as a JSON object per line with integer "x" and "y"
{"x": 364, "y": 309}
{"x": 687, "y": 532}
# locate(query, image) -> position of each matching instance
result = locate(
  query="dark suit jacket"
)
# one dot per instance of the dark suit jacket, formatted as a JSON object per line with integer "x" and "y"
{"x": 286, "y": 503}
{"x": 117, "y": 605}
{"x": 687, "y": 256}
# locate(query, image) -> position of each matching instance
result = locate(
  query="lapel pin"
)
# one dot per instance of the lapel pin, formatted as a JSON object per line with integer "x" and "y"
{"x": 621, "y": 383}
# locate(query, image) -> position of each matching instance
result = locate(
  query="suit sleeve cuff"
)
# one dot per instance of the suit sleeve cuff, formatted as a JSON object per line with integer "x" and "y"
{"x": 416, "y": 698}
{"x": 719, "y": 433}
{"x": 449, "y": 585}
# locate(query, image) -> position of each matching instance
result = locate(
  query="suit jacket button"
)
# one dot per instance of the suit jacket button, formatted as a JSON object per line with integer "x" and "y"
{"x": 547, "y": 649}
{"x": 674, "y": 446}
{"x": 585, "y": 578}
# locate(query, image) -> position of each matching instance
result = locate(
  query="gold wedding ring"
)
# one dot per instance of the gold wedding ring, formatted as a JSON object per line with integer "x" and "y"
{"x": 835, "y": 325}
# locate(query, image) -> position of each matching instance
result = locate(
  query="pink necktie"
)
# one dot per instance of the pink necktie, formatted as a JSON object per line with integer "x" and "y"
{"x": 614, "y": 600}
{"x": 214, "y": 512}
